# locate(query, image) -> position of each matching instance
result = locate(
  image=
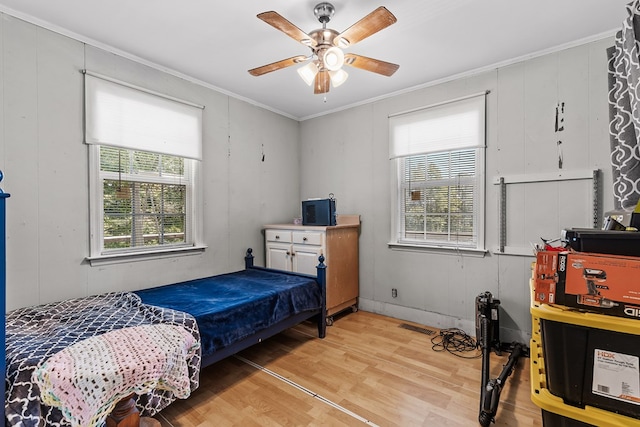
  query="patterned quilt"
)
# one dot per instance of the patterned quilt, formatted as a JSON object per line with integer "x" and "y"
{"x": 34, "y": 334}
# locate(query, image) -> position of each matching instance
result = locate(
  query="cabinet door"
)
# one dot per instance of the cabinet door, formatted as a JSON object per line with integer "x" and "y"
{"x": 305, "y": 259}
{"x": 279, "y": 256}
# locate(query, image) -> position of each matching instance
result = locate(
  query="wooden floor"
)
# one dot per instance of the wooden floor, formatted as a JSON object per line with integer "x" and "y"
{"x": 367, "y": 371}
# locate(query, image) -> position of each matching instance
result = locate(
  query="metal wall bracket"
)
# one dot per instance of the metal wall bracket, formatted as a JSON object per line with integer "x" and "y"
{"x": 504, "y": 181}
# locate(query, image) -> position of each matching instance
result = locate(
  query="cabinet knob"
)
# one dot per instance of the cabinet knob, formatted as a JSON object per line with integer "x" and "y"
{"x": 288, "y": 253}
{"x": 304, "y": 239}
{"x": 277, "y": 237}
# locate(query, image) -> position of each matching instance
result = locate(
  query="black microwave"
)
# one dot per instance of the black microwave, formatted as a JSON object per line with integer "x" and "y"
{"x": 319, "y": 212}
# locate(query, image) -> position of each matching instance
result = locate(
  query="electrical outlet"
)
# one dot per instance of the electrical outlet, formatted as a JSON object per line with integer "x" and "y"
{"x": 394, "y": 292}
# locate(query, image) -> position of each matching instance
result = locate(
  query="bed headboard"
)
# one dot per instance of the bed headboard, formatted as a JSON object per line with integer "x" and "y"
{"x": 3, "y": 278}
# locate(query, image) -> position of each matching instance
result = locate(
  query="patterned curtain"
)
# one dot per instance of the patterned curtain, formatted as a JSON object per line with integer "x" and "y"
{"x": 624, "y": 110}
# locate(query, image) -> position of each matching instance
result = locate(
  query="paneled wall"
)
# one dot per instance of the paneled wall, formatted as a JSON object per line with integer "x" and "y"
{"x": 346, "y": 153}
{"x": 46, "y": 170}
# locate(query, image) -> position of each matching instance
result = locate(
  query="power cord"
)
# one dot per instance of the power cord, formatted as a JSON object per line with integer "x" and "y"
{"x": 455, "y": 341}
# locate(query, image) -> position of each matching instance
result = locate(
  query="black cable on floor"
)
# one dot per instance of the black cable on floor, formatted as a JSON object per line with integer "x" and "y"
{"x": 455, "y": 341}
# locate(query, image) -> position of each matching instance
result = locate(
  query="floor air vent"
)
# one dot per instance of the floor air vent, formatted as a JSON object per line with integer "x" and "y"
{"x": 417, "y": 329}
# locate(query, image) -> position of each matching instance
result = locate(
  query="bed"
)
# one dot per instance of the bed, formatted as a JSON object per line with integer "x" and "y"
{"x": 237, "y": 310}
{"x": 225, "y": 313}
{"x": 35, "y": 334}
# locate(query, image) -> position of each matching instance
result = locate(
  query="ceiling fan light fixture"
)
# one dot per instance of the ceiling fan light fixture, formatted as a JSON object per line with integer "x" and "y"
{"x": 308, "y": 72}
{"x": 338, "y": 77}
{"x": 333, "y": 58}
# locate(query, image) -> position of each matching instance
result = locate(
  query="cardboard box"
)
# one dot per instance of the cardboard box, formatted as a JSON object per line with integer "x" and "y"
{"x": 602, "y": 283}
{"x": 549, "y": 277}
{"x": 608, "y": 284}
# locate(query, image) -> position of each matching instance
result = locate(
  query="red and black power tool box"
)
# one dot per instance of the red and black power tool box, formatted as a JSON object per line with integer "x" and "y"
{"x": 607, "y": 284}
{"x": 549, "y": 277}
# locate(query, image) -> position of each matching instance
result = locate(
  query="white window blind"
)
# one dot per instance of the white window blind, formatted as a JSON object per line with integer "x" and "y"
{"x": 438, "y": 156}
{"x": 449, "y": 126}
{"x": 124, "y": 116}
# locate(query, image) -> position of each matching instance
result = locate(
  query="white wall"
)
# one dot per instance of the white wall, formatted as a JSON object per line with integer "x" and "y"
{"x": 46, "y": 168}
{"x": 346, "y": 153}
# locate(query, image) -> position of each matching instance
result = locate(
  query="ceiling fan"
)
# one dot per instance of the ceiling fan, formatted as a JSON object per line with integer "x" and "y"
{"x": 327, "y": 57}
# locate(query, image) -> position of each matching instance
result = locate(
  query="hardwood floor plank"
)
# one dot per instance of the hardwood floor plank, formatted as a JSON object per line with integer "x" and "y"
{"x": 367, "y": 369}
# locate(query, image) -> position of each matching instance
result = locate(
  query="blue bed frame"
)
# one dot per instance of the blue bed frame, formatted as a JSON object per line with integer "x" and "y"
{"x": 278, "y": 327}
{"x": 3, "y": 269}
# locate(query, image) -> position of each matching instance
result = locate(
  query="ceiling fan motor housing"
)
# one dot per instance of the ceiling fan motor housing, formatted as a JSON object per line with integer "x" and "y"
{"x": 324, "y": 41}
{"x": 324, "y": 12}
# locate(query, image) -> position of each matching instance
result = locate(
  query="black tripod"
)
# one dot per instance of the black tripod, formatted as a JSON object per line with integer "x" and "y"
{"x": 487, "y": 335}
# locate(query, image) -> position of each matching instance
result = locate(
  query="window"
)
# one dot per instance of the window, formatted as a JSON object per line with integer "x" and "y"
{"x": 144, "y": 198}
{"x": 144, "y": 158}
{"x": 438, "y": 158}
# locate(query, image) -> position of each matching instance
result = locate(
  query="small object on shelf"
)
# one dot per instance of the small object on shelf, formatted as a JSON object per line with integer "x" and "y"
{"x": 611, "y": 223}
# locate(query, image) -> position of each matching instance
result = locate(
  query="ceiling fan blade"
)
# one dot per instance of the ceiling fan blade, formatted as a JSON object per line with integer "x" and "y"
{"x": 277, "y": 65}
{"x": 370, "y": 64}
{"x": 322, "y": 82}
{"x": 377, "y": 20}
{"x": 278, "y": 22}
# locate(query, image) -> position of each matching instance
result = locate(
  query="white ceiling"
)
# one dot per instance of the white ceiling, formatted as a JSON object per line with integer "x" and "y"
{"x": 216, "y": 42}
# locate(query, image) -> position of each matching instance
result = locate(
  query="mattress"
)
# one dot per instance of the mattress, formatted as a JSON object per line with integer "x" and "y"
{"x": 234, "y": 306}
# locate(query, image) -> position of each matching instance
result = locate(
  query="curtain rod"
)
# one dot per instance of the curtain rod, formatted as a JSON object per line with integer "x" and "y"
{"x": 142, "y": 89}
{"x": 486, "y": 92}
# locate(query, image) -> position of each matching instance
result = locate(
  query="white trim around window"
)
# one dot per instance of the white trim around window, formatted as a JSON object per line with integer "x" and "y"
{"x": 100, "y": 255}
{"x": 437, "y": 156}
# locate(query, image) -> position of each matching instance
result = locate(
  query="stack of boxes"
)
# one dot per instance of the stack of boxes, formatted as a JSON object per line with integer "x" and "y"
{"x": 585, "y": 346}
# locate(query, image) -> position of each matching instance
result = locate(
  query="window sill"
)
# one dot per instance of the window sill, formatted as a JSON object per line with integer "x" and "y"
{"x": 448, "y": 250}
{"x": 117, "y": 258}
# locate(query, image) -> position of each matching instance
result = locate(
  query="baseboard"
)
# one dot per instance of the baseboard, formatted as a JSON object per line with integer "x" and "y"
{"x": 436, "y": 320}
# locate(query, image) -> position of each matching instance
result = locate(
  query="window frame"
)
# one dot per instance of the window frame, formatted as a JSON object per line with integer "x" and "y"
{"x": 191, "y": 152}
{"x": 193, "y": 213}
{"x": 397, "y": 187}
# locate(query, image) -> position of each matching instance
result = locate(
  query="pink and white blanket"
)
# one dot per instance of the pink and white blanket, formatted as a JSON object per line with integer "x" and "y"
{"x": 87, "y": 379}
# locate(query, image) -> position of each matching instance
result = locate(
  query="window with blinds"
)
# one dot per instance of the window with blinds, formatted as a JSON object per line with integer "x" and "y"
{"x": 439, "y": 159}
{"x": 144, "y": 198}
{"x": 145, "y": 154}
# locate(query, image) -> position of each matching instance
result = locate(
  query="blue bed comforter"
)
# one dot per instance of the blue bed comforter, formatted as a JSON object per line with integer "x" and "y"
{"x": 231, "y": 307}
